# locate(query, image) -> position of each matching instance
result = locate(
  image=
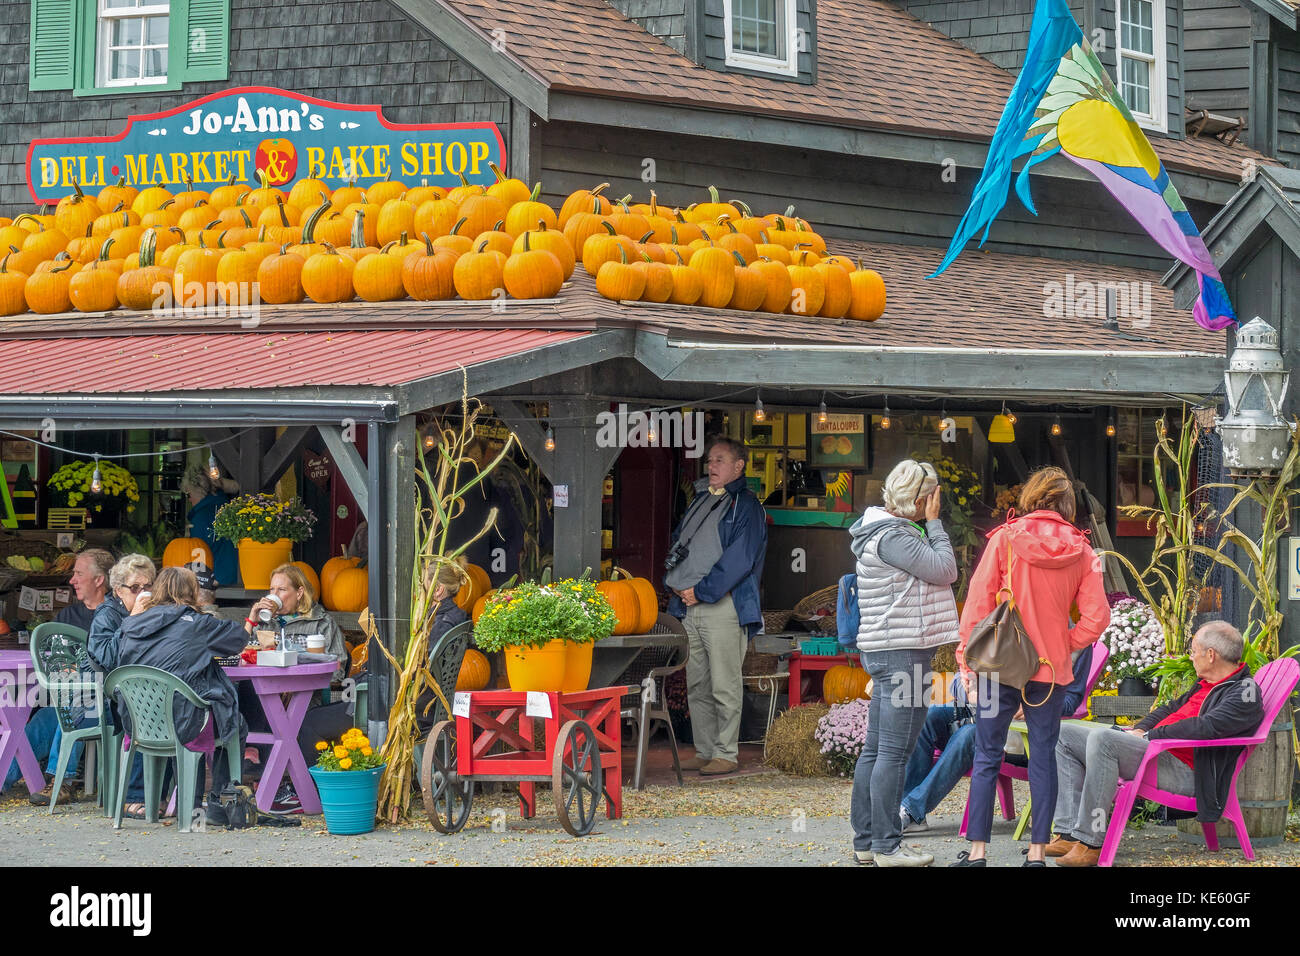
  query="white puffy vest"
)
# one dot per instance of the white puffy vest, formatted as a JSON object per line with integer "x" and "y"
{"x": 897, "y": 609}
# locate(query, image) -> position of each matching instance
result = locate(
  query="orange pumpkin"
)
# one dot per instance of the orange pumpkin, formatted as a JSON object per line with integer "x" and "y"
{"x": 474, "y": 671}
{"x": 480, "y": 606}
{"x": 309, "y": 573}
{"x": 350, "y": 590}
{"x": 476, "y": 587}
{"x": 868, "y": 295}
{"x": 328, "y": 572}
{"x": 181, "y": 551}
{"x": 844, "y": 683}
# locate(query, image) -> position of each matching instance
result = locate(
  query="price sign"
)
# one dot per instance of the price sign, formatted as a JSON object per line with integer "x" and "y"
{"x": 460, "y": 704}
{"x": 539, "y": 704}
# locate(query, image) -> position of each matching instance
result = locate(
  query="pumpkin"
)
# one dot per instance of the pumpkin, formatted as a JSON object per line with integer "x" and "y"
{"x": 140, "y": 287}
{"x": 181, "y": 551}
{"x": 194, "y": 280}
{"x": 94, "y": 288}
{"x": 839, "y": 290}
{"x": 481, "y": 605}
{"x": 497, "y": 239}
{"x": 427, "y": 276}
{"x": 475, "y": 671}
{"x": 421, "y": 194}
{"x": 478, "y": 275}
{"x": 509, "y": 191}
{"x": 183, "y": 200}
{"x": 309, "y": 573}
{"x": 868, "y": 294}
{"x": 327, "y": 277}
{"x": 523, "y": 214}
{"x": 359, "y": 248}
{"x": 622, "y": 597}
{"x": 436, "y": 217}
{"x": 688, "y": 285}
{"x": 629, "y": 223}
{"x": 75, "y": 213}
{"x": 385, "y": 191}
{"x": 477, "y": 584}
{"x": 660, "y": 225}
{"x": 482, "y": 213}
{"x": 779, "y": 285}
{"x": 307, "y": 192}
{"x": 583, "y": 226}
{"x": 620, "y": 280}
{"x": 328, "y": 572}
{"x": 737, "y": 241}
{"x": 47, "y": 292}
{"x": 458, "y": 194}
{"x": 227, "y": 195}
{"x": 24, "y": 261}
{"x": 378, "y": 278}
{"x": 401, "y": 247}
{"x": 13, "y": 300}
{"x": 711, "y": 210}
{"x": 534, "y": 273}
{"x": 658, "y": 279}
{"x": 455, "y": 241}
{"x": 718, "y": 270}
{"x": 751, "y": 286}
{"x": 264, "y": 196}
{"x": 584, "y": 200}
{"x": 553, "y": 241}
{"x": 651, "y": 249}
{"x": 645, "y": 591}
{"x": 395, "y": 217}
{"x": 345, "y": 196}
{"x": 808, "y": 288}
{"x": 351, "y": 588}
{"x": 237, "y": 273}
{"x": 47, "y": 242}
{"x": 281, "y": 219}
{"x": 279, "y": 277}
{"x": 147, "y": 200}
{"x": 116, "y": 194}
{"x": 844, "y": 683}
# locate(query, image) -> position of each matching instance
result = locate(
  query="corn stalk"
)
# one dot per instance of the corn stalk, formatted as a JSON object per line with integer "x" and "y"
{"x": 444, "y": 490}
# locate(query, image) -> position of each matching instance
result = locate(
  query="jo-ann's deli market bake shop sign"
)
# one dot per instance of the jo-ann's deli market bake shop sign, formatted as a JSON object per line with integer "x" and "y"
{"x": 245, "y": 131}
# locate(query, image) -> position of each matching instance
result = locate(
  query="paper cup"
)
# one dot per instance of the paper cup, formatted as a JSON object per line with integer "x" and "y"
{"x": 316, "y": 644}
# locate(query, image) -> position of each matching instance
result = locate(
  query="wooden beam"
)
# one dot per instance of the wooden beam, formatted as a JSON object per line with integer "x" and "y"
{"x": 397, "y": 513}
{"x": 283, "y": 453}
{"x": 1263, "y": 129}
{"x": 249, "y": 470}
{"x": 348, "y": 461}
{"x": 528, "y": 430}
{"x": 525, "y": 143}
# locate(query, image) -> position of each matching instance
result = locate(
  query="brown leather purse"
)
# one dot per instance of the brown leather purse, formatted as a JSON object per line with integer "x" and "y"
{"x": 1000, "y": 648}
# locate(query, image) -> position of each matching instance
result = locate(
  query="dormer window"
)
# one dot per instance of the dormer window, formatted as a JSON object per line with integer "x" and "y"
{"x": 762, "y": 35}
{"x": 1141, "y": 61}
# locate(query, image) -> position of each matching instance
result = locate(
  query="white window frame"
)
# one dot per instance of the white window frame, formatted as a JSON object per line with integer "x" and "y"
{"x": 781, "y": 66}
{"x": 1158, "y": 118}
{"x": 103, "y": 35}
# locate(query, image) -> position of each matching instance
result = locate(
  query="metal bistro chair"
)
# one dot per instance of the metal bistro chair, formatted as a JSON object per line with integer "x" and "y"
{"x": 149, "y": 695}
{"x": 66, "y": 673}
{"x": 651, "y": 668}
{"x": 445, "y": 659}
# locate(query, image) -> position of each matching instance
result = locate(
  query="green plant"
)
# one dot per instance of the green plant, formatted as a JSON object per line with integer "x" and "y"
{"x": 1181, "y": 673}
{"x": 533, "y": 614}
{"x": 263, "y": 518}
{"x": 149, "y": 540}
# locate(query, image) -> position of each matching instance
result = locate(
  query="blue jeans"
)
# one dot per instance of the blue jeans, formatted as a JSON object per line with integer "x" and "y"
{"x": 929, "y": 780}
{"x": 894, "y": 718}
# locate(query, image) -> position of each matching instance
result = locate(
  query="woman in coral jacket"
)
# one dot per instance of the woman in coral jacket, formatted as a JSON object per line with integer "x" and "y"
{"x": 1052, "y": 567}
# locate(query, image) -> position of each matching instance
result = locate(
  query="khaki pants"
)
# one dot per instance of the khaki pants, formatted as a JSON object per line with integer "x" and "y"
{"x": 713, "y": 685}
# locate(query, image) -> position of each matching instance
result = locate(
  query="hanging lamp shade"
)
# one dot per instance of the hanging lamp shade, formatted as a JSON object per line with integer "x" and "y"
{"x": 1001, "y": 432}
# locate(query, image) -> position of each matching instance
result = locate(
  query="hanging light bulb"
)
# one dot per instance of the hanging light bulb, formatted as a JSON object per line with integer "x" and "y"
{"x": 430, "y": 442}
{"x": 759, "y": 414}
{"x": 821, "y": 411}
{"x": 884, "y": 418}
{"x": 1011, "y": 416}
{"x": 96, "y": 483}
{"x": 944, "y": 421}
{"x": 213, "y": 471}
{"x": 1110, "y": 426}
{"x": 651, "y": 436}
{"x": 550, "y": 439}
{"x": 1056, "y": 426}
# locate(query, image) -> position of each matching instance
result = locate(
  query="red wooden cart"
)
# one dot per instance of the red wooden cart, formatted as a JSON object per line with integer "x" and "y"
{"x": 582, "y": 759}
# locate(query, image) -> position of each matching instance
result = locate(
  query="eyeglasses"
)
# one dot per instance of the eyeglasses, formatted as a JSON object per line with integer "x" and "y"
{"x": 134, "y": 588}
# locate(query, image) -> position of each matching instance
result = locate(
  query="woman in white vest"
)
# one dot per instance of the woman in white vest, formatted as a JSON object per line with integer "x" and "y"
{"x": 905, "y": 576}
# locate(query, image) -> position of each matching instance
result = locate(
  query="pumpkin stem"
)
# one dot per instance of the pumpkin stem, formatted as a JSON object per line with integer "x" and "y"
{"x": 537, "y": 191}
{"x": 654, "y": 204}
{"x": 672, "y": 231}
{"x": 646, "y": 237}
{"x": 463, "y": 181}
{"x": 762, "y": 235}
{"x": 117, "y": 207}
{"x": 261, "y": 234}
{"x": 63, "y": 268}
{"x": 329, "y": 249}
{"x": 221, "y": 239}
{"x": 403, "y": 241}
{"x": 428, "y": 243}
{"x": 680, "y": 260}
{"x": 284, "y": 249}
{"x": 482, "y": 246}
{"x": 596, "y": 191}
{"x": 284, "y": 217}
{"x": 389, "y": 244}
{"x": 622, "y": 254}
{"x": 609, "y": 227}
{"x": 743, "y": 207}
{"x": 358, "y": 230}
{"x": 713, "y": 194}
{"x": 309, "y": 227}
{"x": 248, "y": 223}
{"x": 213, "y": 224}
{"x": 526, "y": 246}
{"x": 496, "y": 171}
{"x": 501, "y": 224}
{"x": 178, "y": 230}
{"x": 103, "y": 250}
{"x": 789, "y": 210}
{"x": 243, "y": 196}
{"x": 739, "y": 258}
{"x": 455, "y": 230}
{"x": 541, "y": 223}
{"x": 725, "y": 220}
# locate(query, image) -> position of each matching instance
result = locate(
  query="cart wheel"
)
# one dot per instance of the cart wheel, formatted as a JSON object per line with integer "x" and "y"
{"x": 447, "y": 797}
{"x": 577, "y": 780}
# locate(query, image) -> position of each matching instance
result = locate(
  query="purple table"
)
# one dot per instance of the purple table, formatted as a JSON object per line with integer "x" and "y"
{"x": 17, "y": 677}
{"x": 298, "y": 683}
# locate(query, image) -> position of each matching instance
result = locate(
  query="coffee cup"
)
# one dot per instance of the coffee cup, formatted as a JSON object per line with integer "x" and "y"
{"x": 315, "y": 643}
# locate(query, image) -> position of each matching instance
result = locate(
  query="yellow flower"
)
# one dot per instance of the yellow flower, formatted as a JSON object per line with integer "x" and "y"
{"x": 345, "y": 763}
{"x": 322, "y": 745}
{"x": 366, "y": 751}
{"x": 340, "y": 752}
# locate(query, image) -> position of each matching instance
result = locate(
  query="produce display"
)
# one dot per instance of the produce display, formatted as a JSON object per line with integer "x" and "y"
{"x": 238, "y": 244}
{"x": 35, "y": 565}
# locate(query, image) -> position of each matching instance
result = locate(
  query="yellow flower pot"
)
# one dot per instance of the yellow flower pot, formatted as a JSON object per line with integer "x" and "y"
{"x": 577, "y": 666}
{"x": 536, "y": 668}
{"x": 257, "y": 559}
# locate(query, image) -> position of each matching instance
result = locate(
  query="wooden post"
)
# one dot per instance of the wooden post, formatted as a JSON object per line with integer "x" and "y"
{"x": 395, "y": 460}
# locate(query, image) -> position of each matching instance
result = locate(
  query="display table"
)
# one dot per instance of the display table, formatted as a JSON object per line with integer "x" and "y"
{"x": 17, "y": 679}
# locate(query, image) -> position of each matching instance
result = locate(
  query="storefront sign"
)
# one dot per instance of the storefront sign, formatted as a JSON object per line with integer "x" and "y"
{"x": 316, "y": 469}
{"x": 249, "y": 129}
{"x": 840, "y": 440}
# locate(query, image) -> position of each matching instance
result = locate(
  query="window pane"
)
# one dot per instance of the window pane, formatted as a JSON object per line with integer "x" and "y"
{"x": 125, "y": 65}
{"x": 1136, "y": 85}
{"x": 118, "y": 4}
{"x": 155, "y": 31}
{"x": 125, "y": 32}
{"x": 755, "y": 26}
{"x": 155, "y": 62}
{"x": 1135, "y": 26}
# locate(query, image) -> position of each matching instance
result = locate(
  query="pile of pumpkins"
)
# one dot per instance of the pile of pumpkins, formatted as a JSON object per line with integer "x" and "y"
{"x": 193, "y": 249}
{"x": 340, "y": 586}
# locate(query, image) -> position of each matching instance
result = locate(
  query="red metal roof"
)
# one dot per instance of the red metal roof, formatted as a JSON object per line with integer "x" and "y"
{"x": 164, "y": 363}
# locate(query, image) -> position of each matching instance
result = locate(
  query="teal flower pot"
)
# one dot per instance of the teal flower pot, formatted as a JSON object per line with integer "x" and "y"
{"x": 350, "y": 798}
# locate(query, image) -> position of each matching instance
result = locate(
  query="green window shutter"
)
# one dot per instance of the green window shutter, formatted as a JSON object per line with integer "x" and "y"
{"x": 54, "y": 25}
{"x": 200, "y": 41}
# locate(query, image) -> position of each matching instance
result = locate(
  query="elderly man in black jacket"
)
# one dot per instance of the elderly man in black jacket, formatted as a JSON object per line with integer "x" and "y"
{"x": 1224, "y": 702}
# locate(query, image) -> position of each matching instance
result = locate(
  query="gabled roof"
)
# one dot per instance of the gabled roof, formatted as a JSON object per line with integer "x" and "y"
{"x": 1268, "y": 205}
{"x": 879, "y": 67}
{"x": 1283, "y": 11}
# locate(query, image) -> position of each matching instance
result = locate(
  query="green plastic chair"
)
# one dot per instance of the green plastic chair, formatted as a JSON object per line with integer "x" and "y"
{"x": 62, "y": 666}
{"x": 149, "y": 694}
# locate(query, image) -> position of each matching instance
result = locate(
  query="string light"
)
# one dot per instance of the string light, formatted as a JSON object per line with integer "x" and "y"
{"x": 213, "y": 471}
{"x": 1110, "y": 426}
{"x": 759, "y": 414}
{"x": 96, "y": 483}
{"x": 1056, "y": 426}
{"x": 944, "y": 421}
{"x": 884, "y": 417}
{"x": 821, "y": 411}
{"x": 1011, "y": 416}
{"x": 651, "y": 435}
{"x": 430, "y": 442}
{"x": 550, "y": 439}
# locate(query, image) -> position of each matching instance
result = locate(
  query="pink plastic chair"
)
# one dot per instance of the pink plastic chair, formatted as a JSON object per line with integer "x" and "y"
{"x": 1008, "y": 771}
{"x": 1276, "y": 680}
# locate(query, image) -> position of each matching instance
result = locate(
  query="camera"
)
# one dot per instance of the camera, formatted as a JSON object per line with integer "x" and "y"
{"x": 676, "y": 555}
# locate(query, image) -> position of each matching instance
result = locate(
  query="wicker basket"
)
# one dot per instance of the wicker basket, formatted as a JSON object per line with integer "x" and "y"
{"x": 809, "y": 610}
{"x": 775, "y": 621}
{"x": 10, "y": 578}
{"x": 12, "y": 544}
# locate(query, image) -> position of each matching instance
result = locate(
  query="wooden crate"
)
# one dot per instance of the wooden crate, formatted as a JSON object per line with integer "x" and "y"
{"x": 66, "y": 519}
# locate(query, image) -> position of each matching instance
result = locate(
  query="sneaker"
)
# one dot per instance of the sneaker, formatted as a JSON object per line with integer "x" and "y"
{"x": 863, "y": 856}
{"x": 67, "y": 794}
{"x": 963, "y": 859}
{"x": 910, "y": 825}
{"x": 286, "y": 801}
{"x": 904, "y": 856}
{"x": 696, "y": 762}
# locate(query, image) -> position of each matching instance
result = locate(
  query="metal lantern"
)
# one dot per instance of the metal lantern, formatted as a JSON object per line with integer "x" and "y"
{"x": 1255, "y": 435}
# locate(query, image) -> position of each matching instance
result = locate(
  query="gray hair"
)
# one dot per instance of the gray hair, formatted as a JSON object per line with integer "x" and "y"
{"x": 736, "y": 449}
{"x": 908, "y": 481}
{"x": 197, "y": 479}
{"x": 128, "y": 565}
{"x": 1222, "y": 638}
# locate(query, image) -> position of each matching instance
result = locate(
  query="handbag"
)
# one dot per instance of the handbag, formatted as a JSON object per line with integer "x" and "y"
{"x": 999, "y": 645}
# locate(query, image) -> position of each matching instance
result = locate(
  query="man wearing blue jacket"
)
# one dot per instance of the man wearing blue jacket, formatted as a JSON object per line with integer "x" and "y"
{"x": 713, "y": 571}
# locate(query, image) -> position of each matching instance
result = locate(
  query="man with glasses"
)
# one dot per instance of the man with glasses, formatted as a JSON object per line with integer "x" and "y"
{"x": 1090, "y": 758}
{"x": 713, "y": 571}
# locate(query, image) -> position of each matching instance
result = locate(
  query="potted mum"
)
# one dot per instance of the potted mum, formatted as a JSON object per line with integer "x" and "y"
{"x": 264, "y": 529}
{"x": 347, "y": 778}
{"x": 541, "y": 627}
{"x": 71, "y": 487}
{"x": 1137, "y": 643}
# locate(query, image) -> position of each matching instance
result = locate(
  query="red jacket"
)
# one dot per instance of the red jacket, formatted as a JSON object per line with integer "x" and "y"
{"x": 1053, "y": 566}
